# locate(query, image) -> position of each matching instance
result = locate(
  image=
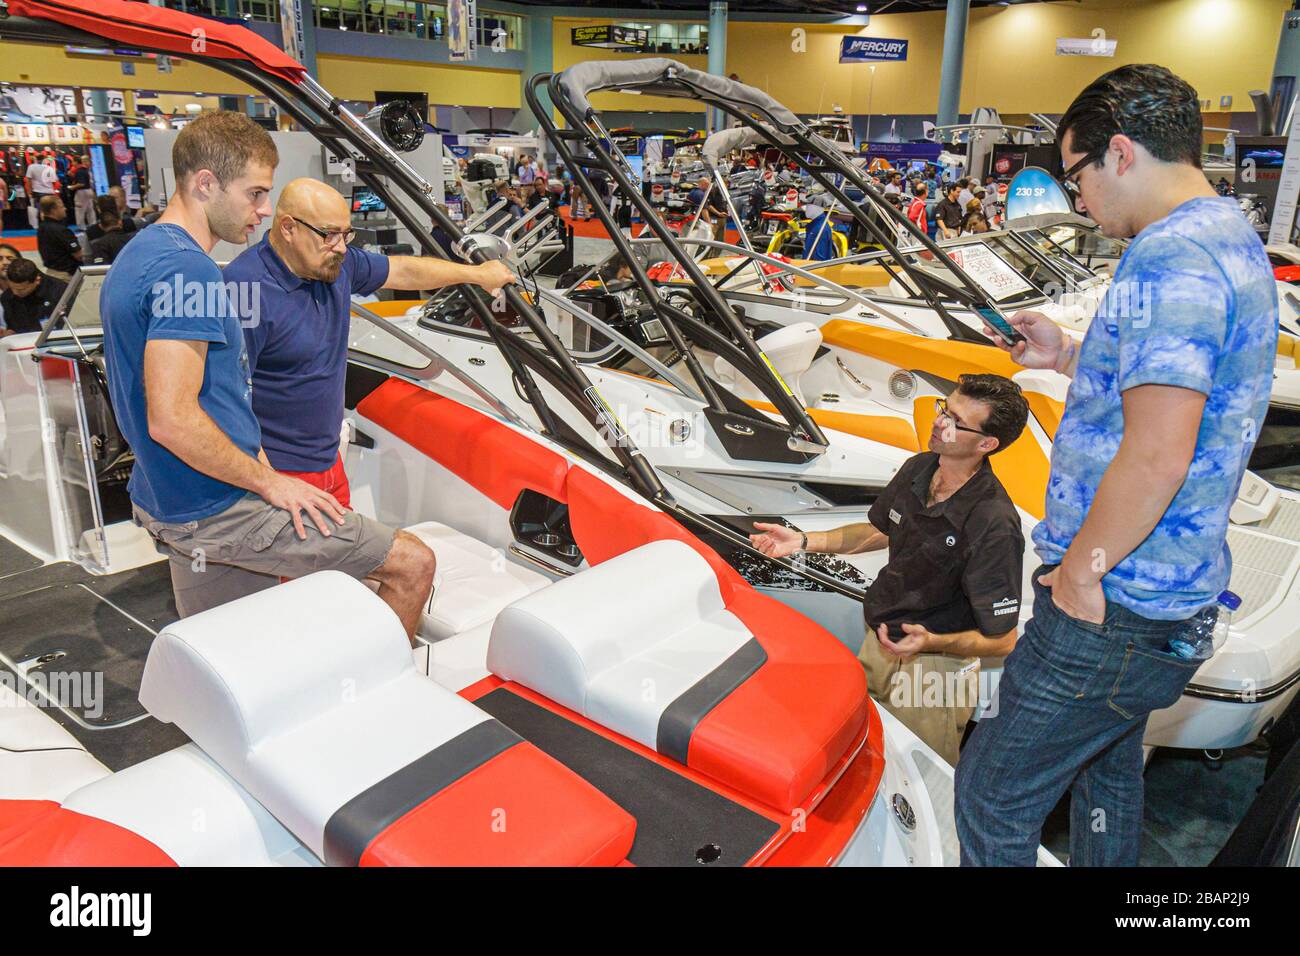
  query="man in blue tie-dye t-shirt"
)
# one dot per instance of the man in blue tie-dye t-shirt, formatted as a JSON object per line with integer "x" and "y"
{"x": 1170, "y": 387}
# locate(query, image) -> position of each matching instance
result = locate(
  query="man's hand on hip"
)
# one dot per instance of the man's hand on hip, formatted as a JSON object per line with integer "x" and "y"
{"x": 1083, "y": 600}
{"x": 296, "y": 496}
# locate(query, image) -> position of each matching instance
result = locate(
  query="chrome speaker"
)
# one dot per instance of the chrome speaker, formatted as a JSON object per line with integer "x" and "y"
{"x": 398, "y": 123}
{"x": 902, "y": 384}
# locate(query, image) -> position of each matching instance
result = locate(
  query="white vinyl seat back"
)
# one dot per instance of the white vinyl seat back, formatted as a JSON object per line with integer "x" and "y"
{"x": 790, "y": 349}
{"x": 255, "y": 667}
{"x": 619, "y": 642}
{"x": 305, "y": 693}
{"x": 473, "y": 582}
{"x": 189, "y": 808}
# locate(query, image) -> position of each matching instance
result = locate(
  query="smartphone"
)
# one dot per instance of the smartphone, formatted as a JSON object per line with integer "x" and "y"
{"x": 995, "y": 321}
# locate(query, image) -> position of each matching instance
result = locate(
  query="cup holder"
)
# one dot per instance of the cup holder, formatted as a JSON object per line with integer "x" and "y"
{"x": 546, "y": 539}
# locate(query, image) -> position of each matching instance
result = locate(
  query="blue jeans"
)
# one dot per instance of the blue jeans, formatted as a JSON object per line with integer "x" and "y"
{"x": 1069, "y": 714}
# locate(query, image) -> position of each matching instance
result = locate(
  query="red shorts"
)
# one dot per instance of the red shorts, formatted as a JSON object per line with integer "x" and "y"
{"x": 333, "y": 479}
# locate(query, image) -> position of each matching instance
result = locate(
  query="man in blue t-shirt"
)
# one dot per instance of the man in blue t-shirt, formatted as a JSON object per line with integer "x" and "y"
{"x": 1171, "y": 385}
{"x": 181, "y": 388}
{"x": 305, "y": 273}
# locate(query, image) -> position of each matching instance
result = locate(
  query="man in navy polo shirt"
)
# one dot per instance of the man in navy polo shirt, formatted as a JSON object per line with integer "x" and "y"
{"x": 182, "y": 391}
{"x": 298, "y": 343}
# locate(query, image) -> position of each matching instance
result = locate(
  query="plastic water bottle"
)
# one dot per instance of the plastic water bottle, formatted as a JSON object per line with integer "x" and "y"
{"x": 1208, "y": 631}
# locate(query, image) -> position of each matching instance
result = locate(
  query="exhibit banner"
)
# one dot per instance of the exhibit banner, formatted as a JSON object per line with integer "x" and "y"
{"x": 292, "y": 25}
{"x": 610, "y": 36}
{"x": 461, "y": 28}
{"x": 855, "y": 49}
{"x": 901, "y": 152}
{"x": 1085, "y": 46}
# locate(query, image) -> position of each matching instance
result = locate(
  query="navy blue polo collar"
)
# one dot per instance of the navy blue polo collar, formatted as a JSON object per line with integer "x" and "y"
{"x": 284, "y": 277}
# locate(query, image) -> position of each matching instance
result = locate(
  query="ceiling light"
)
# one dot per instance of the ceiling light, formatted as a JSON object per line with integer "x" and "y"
{"x": 861, "y": 8}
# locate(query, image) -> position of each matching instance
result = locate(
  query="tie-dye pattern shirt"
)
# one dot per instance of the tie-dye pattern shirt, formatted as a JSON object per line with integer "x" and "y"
{"x": 1193, "y": 304}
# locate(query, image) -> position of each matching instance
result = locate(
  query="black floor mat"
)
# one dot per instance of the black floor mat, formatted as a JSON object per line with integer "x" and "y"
{"x": 14, "y": 559}
{"x": 675, "y": 817}
{"x": 145, "y": 594}
{"x": 63, "y": 611}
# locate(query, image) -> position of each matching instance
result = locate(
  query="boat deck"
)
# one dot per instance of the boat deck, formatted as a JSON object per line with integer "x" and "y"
{"x": 59, "y": 620}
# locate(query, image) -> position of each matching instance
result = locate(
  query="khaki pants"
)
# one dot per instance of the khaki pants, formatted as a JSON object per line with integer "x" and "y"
{"x": 932, "y": 695}
{"x": 251, "y": 545}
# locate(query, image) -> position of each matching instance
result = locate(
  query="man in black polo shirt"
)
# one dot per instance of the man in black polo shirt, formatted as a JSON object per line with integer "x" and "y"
{"x": 60, "y": 251}
{"x": 30, "y": 298}
{"x": 949, "y": 213}
{"x": 950, "y": 593}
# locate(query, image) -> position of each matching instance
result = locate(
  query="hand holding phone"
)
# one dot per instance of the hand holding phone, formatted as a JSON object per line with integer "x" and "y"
{"x": 1038, "y": 341}
{"x": 998, "y": 324}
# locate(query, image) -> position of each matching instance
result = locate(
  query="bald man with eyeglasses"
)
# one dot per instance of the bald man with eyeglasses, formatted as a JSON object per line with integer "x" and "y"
{"x": 305, "y": 272}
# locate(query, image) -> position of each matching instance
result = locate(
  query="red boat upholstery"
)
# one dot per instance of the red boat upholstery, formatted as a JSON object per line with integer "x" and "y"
{"x": 496, "y": 460}
{"x": 319, "y": 713}
{"x": 42, "y": 833}
{"x": 794, "y": 668}
{"x": 747, "y": 691}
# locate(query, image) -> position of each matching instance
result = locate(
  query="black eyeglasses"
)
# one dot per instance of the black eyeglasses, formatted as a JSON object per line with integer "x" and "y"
{"x": 941, "y": 406}
{"x": 1067, "y": 177}
{"x": 331, "y": 237}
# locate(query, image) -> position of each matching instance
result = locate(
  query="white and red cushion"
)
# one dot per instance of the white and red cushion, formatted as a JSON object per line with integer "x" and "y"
{"x": 716, "y": 676}
{"x": 473, "y": 582}
{"x": 39, "y": 760}
{"x": 624, "y": 670}
{"x": 307, "y": 696}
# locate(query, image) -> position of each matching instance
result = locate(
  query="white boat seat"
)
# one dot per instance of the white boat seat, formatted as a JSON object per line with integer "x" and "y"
{"x": 791, "y": 351}
{"x": 306, "y": 694}
{"x": 473, "y": 582}
{"x": 625, "y": 674}
{"x": 39, "y": 760}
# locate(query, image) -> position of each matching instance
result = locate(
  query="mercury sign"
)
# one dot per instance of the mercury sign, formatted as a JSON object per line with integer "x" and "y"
{"x": 855, "y": 49}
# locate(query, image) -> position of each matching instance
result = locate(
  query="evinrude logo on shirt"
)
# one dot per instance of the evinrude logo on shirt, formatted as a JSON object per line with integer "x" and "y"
{"x": 950, "y": 540}
{"x": 894, "y": 516}
{"x": 1008, "y": 605}
{"x": 134, "y": 910}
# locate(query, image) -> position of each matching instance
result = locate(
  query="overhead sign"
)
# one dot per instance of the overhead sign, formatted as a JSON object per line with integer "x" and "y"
{"x": 1085, "y": 46}
{"x": 904, "y": 151}
{"x": 610, "y": 36}
{"x": 855, "y": 49}
{"x": 462, "y": 27}
{"x": 989, "y": 271}
{"x": 1033, "y": 191}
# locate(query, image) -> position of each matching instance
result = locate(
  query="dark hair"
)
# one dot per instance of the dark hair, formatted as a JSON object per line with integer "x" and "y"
{"x": 47, "y": 204}
{"x": 13, "y": 249}
{"x": 1008, "y": 410}
{"x": 224, "y": 142}
{"x": 1145, "y": 102}
{"x": 104, "y": 205}
{"x": 23, "y": 271}
{"x": 972, "y": 218}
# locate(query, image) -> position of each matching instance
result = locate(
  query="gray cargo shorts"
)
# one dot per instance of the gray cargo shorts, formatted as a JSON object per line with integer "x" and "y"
{"x": 252, "y": 544}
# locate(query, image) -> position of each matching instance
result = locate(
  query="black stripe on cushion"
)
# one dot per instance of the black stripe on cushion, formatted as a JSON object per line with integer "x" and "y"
{"x": 354, "y": 826}
{"x": 682, "y": 716}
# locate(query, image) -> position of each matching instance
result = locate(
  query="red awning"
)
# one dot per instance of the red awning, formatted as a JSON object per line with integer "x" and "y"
{"x": 144, "y": 25}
